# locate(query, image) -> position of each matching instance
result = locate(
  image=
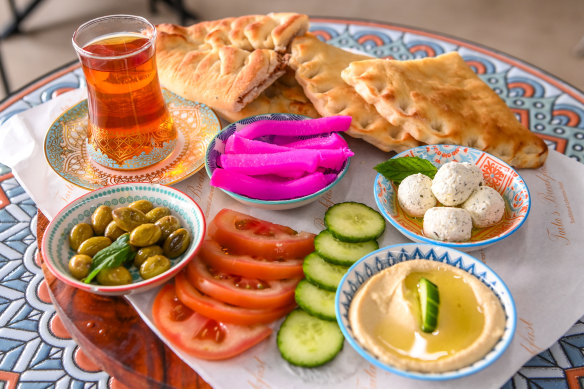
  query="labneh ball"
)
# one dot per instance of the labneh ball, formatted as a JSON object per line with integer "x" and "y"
{"x": 414, "y": 194}
{"x": 448, "y": 224}
{"x": 486, "y": 207}
{"x": 455, "y": 181}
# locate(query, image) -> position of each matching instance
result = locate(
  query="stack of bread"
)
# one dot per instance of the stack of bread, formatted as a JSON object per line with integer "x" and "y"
{"x": 257, "y": 64}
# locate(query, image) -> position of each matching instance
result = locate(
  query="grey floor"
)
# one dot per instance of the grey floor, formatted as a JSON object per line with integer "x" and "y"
{"x": 546, "y": 33}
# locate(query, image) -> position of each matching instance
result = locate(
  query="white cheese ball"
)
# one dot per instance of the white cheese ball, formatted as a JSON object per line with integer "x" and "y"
{"x": 455, "y": 181}
{"x": 414, "y": 194}
{"x": 448, "y": 224}
{"x": 486, "y": 207}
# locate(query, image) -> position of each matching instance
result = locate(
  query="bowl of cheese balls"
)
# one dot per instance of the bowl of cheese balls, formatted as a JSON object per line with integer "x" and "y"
{"x": 452, "y": 196}
{"x": 123, "y": 239}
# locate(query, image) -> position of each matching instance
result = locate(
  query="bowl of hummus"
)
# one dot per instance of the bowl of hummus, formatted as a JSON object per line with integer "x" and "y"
{"x": 458, "y": 325}
{"x": 474, "y": 200}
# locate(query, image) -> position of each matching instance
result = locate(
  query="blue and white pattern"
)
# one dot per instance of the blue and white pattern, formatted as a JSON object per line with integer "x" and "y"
{"x": 31, "y": 355}
{"x": 386, "y": 257}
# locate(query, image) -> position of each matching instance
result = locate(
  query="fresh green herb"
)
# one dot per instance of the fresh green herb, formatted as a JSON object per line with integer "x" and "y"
{"x": 396, "y": 169}
{"x": 116, "y": 254}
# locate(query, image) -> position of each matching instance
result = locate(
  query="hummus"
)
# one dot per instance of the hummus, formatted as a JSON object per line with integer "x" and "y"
{"x": 385, "y": 318}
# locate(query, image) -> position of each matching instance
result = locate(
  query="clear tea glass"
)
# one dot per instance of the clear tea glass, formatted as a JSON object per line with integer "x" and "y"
{"x": 129, "y": 125}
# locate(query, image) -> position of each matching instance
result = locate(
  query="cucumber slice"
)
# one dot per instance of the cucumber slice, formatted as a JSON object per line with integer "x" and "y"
{"x": 429, "y": 303}
{"x": 305, "y": 340}
{"x": 321, "y": 273}
{"x": 354, "y": 222}
{"x": 318, "y": 302}
{"x": 341, "y": 253}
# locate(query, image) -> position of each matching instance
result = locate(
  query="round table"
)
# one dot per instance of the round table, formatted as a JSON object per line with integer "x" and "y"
{"x": 40, "y": 316}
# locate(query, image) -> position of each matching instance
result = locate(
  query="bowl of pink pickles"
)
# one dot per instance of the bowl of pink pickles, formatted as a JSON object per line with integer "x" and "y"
{"x": 279, "y": 161}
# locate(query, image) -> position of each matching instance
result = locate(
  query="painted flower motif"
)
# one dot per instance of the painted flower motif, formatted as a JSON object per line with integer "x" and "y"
{"x": 493, "y": 174}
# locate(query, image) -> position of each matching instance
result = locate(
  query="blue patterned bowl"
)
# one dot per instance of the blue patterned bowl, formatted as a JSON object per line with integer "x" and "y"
{"x": 55, "y": 246}
{"x": 496, "y": 173}
{"x": 216, "y": 149}
{"x": 388, "y": 256}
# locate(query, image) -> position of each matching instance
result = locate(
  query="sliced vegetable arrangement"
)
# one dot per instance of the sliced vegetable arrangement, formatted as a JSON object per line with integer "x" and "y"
{"x": 279, "y": 160}
{"x": 201, "y": 336}
{"x": 249, "y": 273}
{"x": 310, "y": 336}
{"x": 244, "y": 278}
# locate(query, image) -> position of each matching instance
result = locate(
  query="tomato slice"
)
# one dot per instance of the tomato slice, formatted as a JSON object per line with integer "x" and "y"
{"x": 198, "y": 335}
{"x": 221, "y": 259}
{"x": 222, "y": 312}
{"x": 240, "y": 291}
{"x": 245, "y": 234}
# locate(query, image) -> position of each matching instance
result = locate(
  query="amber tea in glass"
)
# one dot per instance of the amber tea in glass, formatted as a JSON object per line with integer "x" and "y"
{"x": 129, "y": 125}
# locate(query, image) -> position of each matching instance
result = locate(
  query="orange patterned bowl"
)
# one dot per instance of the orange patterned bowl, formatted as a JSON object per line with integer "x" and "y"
{"x": 496, "y": 173}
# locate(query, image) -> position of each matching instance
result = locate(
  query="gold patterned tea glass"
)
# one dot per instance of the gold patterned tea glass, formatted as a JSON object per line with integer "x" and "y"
{"x": 129, "y": 125}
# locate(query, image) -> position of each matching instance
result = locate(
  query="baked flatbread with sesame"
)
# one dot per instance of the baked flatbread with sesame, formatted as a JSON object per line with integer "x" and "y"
{"x": 318, "y": 67}
{"x": 441, "y": 100}
{"x": 226, "y": 63}
{"x": 285, "y": 95}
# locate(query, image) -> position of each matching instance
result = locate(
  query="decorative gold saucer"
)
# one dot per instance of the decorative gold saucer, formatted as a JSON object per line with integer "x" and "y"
{"x": 66, "y": 153}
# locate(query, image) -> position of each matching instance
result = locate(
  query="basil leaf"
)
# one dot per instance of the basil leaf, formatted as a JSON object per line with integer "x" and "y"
{"x": 112, "y": 256}
{"x": 115, "y": 246}
{"x": 396, "y": 169}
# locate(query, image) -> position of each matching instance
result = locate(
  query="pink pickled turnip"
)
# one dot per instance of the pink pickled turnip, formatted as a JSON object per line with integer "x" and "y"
{"x": 236, "y": 144}
{"x": 332, "y": 141}
{"x": 296, "y": 127}
{"x": 332, "y": 158}
{"x": 288, "y": 164}
{"x": 266, "y": 188}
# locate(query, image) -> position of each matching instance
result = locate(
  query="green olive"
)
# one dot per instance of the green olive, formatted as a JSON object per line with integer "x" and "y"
{"x": 79, "y": 266}
{"x": 168, "y": 224}
{"x": 143, "y": 206}
{"x": 79, "y": 233}
{"x": 177, "y": 243}
{"x": 154, "y": 266}
{"x": 146, "y": 252}
{"x": 145, "y": 235}
{"x": 114, "y": 276}
{"x": 157, "y": 213}
{"x": 113, "y": 232}
{"x": 100, "y": 218}
{"x": 128, "y": 218}
{"x": 94, "y": 244}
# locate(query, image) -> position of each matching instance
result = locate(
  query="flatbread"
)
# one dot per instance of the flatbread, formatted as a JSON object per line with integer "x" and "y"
{"x": 226, "y": 63}
{"x": 441, "y": 100}
{"x": 318, "y": 67}
{"x": 285, "y": 95}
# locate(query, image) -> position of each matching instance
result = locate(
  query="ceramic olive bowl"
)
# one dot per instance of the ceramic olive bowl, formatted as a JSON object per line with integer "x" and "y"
{"x": 496, "y": 173}
{"x": 381, "y": 259}
{"x": 55, "y": 245}
{"x": 217, "y": 147}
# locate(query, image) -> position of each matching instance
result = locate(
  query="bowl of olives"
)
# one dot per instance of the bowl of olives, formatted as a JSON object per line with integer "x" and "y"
{"x": 123, "y": 238}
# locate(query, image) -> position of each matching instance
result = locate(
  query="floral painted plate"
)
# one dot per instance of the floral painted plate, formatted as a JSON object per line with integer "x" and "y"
{"x": 66, "y": 153}
{"x": 496, "y": 173}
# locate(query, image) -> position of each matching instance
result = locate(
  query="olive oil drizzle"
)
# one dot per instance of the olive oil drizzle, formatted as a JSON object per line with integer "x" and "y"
{"x": 461, "y": 320}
